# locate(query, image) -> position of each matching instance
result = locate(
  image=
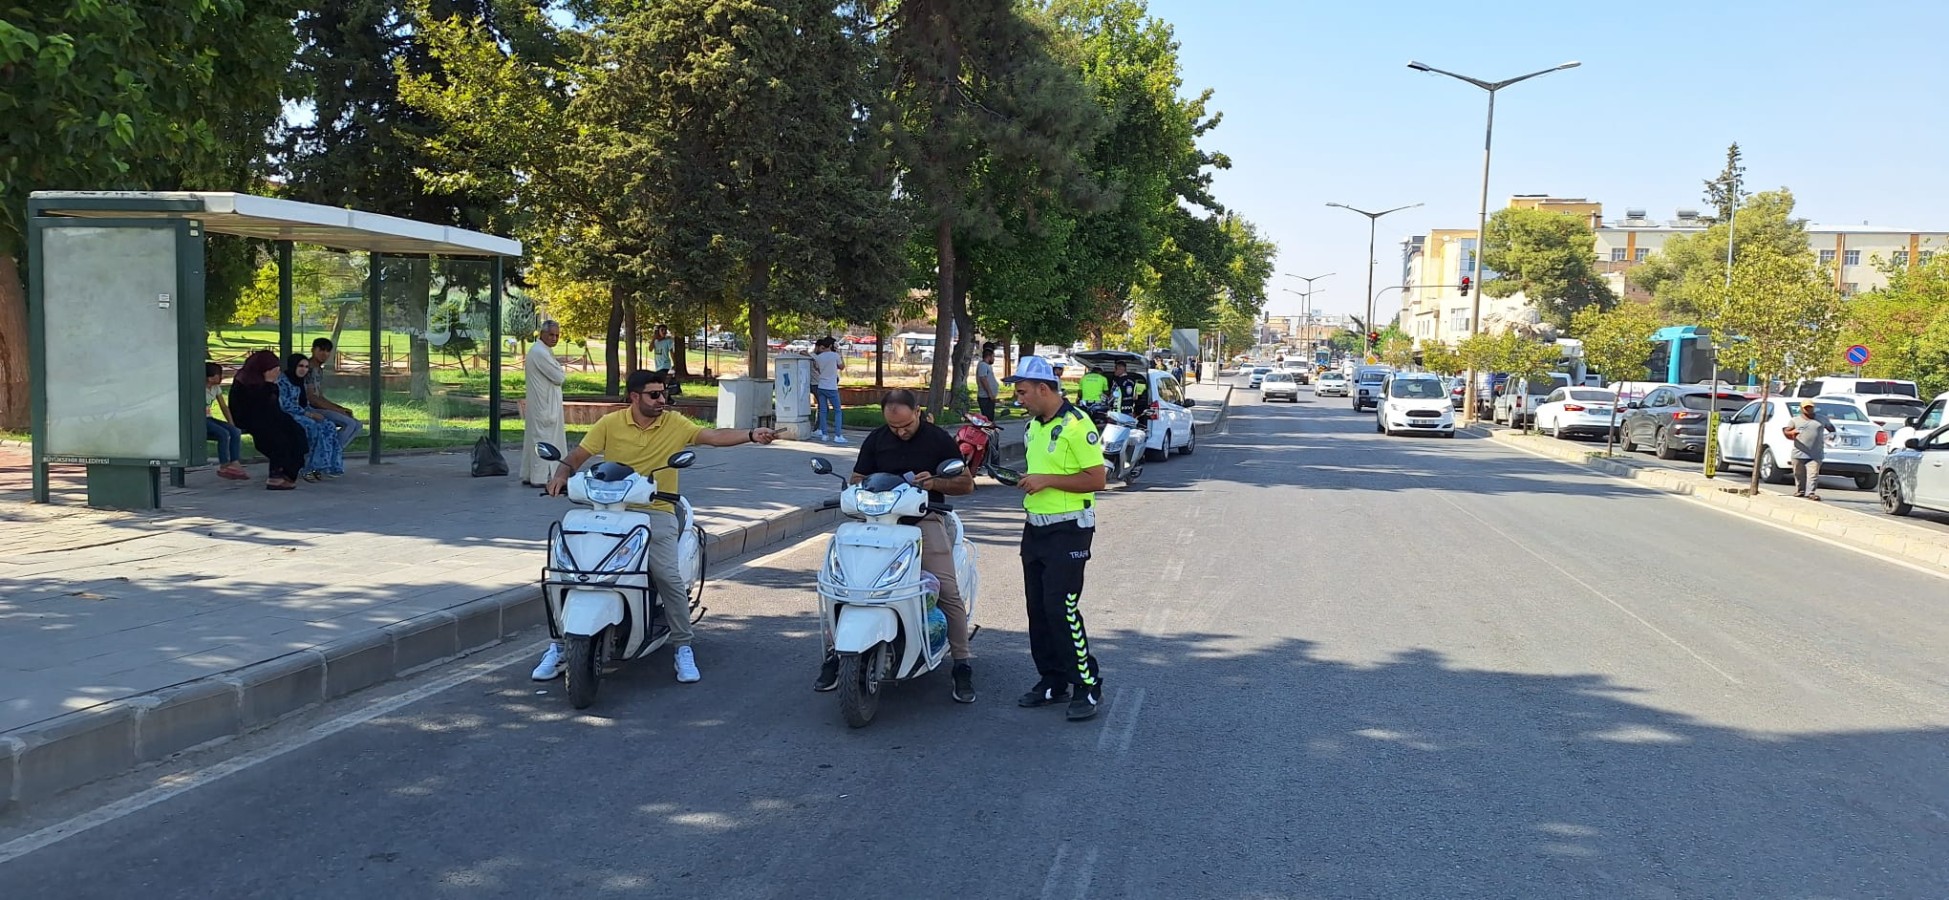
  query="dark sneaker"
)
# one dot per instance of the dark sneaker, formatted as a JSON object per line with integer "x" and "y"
{"x": 828, "y": 675}
{"x": 963, "y": 683}
{"x": 1086, "y": 703}
{"x": 1044, "y": 694}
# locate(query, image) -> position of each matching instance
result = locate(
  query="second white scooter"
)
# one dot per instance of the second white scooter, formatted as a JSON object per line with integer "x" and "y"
{"x": 879, "y": 606}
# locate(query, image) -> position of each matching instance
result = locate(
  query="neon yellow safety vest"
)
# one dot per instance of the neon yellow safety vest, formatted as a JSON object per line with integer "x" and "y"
{"x": 1064, "y": 445}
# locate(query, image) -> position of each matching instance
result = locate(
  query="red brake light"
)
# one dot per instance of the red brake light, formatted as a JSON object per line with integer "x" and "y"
{"x": 1681, "y": 416}
{"x": 1881, "y": 437}
{"x": 1572, "y": 407}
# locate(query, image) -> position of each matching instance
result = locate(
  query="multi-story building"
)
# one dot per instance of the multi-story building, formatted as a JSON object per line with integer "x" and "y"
{"x": 1432, "y": 308}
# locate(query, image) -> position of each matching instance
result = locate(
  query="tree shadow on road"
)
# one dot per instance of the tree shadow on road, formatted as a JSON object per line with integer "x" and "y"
{"x": 1225, "y": 765}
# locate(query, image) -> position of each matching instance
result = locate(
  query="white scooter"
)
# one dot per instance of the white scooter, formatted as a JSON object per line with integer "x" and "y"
{"x": 874, "y": 600}
{"x": 1123, "y": 439}
{"x": 602, "y": 604}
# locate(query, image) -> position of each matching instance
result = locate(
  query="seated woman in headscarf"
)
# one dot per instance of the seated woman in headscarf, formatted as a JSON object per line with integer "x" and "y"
{"x": 254, "y": 407}
{"x": 326, "y": 456}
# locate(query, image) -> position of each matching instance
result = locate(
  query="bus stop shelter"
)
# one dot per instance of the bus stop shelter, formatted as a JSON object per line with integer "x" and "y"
{"x": 119, "y": 276}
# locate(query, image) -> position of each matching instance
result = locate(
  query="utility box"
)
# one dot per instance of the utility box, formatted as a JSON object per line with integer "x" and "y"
{"x": 744, "y": 402}
{"x": 792, "y": 396}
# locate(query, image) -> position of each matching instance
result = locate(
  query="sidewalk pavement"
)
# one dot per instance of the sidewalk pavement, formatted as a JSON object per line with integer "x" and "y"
{"x": 128, "y": 637}
{"x": 1886, "y": 535}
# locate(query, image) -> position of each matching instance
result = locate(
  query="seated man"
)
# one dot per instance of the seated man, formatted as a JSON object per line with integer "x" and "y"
{"x": 907, "y": 445}
{"x": 643, "y": 437}
{"x": 339, "y": 416}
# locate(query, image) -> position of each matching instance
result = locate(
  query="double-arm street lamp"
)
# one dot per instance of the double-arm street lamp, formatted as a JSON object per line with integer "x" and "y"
{"x": 1306, "y": 306}
{"x": 1482, "y": 216}
{"x": 1373, "y": 218}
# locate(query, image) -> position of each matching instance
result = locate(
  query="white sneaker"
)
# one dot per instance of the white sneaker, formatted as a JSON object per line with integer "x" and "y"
{"x": 818, "y": 435}
{"x": 551, "y": 665}
{"x": 687, "y": 666}
{"x": 840, "y": 439}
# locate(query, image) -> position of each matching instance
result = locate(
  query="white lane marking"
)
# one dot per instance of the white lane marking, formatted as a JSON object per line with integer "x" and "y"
{"x": 1121, "y": 725}
{"x": 178, "y": 785}
{"x": 1054, "y": 879}
{"x": 1762, "y": 520}
{"x": 1594, "y": 591}
{"x": 1175, "y": 571}
{"x": 1053, "y": 886}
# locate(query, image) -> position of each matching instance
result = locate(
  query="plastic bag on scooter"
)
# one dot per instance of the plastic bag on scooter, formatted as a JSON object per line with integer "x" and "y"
{"x": 930, "y": 587}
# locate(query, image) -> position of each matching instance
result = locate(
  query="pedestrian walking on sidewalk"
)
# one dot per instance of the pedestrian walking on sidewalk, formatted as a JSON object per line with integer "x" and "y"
{"x": 988, "y": 389}
{"x": 1809, "y": 433}
{"x": 542, "y": 415}
{"x": 1064, "y": 472}
{"x": 644, "y": 437}
{"x": 828, "y": 420}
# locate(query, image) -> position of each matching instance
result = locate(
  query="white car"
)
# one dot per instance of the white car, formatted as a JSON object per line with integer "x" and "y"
{"x": 1931, "y": 419}
{"x": 1890, "y": 413}
{"x": 1331, "y": 384}
{"x": 1576, "y": 410}
{"x": 1414, "y": 402}
{"x": 1855, "y": 450}
{"x": 1168, "y": 423}
{"x": 1257, "y": 375}
{"x": 1919, "y": 475}
{"x": 1280, "y": 384}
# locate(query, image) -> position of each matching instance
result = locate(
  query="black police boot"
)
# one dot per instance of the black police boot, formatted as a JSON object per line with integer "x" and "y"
{"x": 1046, "y": 692}
{"x": 1088, "y": 700}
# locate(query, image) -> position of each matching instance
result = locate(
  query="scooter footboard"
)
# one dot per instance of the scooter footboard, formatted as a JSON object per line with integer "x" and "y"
{"x": 860, "y": 628}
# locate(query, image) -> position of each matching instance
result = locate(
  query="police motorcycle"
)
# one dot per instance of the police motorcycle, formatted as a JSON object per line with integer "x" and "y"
{"x": 1123, "y": 439}
{"x": 874, "y": 600}
{"x": 602, "y": 603}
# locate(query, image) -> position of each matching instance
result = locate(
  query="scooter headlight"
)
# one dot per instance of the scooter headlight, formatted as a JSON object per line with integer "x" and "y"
{"x": 619, "y": 558}
{"x": 606, "y": 492}
{"x": 835, "y": 572}
{"x": 875, "y": 503}
{"x": 898, "y": 569}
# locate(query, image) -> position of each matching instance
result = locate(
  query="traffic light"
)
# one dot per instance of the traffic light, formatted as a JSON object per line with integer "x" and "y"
{"x": 1467, "y": 283}
{"x": 1373, "y": 337}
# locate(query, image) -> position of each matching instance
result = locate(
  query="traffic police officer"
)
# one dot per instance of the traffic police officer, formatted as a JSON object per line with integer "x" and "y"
{"x": 1064, "y": 472}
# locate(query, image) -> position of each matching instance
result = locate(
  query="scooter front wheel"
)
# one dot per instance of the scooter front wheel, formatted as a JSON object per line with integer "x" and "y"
{"x": 859, "y": 686}
{"x": 584, "y": 672}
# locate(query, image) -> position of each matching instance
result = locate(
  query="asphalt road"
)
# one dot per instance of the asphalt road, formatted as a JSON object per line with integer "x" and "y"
{"x": 1834, "y": 490}
{"x": 1338, "y": 665}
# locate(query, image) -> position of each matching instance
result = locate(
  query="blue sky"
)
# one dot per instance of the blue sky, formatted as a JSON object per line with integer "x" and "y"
{"x": 1842, "y": 102}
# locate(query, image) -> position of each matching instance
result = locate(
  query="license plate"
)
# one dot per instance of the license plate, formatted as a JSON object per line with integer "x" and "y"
{"x": 1851, "y": 441}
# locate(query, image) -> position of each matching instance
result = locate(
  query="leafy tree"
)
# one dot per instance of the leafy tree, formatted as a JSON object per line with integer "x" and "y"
{"x": 161, "y": 95}
{"x": 1546, "y": 256}
{"x": 1904, "y": 324}
{"x": 1786, "y": 316}
{"x": 1509, "y": 352}
{"x": 1617, "y": 342}
{"x": 1439, "y": 357}
{"x": 1691, "y": 268}
{"x": 1724, "y": 192}
{"x": 1396, "y": 350}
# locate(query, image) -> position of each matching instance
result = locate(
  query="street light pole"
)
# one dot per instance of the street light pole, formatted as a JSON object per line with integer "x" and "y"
{"x": 1482, "y": 214}
{"x": 1306, "y": 308}
{"x": 1373, "y": 219}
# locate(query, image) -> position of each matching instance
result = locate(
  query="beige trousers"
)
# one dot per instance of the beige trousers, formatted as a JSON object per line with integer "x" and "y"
{"x": 937, "y": 557}
{"x": 669, "y": 577}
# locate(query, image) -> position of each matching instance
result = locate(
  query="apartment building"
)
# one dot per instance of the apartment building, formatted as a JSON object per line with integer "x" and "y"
{"x": 1432, "y": 308}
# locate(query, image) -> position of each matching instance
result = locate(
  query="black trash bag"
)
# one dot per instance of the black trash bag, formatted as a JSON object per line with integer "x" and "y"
{"x": 488, "y": 460}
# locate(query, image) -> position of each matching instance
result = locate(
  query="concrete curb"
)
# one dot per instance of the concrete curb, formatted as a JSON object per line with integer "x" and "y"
{"x": 1865, "y": 532}
{"x": 114, "y": 738}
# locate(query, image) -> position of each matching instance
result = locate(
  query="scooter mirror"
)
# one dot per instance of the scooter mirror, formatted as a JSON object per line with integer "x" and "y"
{"x": 548, "y": 452}
{"x": 951, "y": 469}
{"x": 681, "y": 459}
{"x": 820, "y": 466}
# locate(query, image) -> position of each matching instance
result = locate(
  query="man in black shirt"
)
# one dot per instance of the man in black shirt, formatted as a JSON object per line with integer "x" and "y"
{"x": 907, "y": 445}
{"x": 1129, "y": 390}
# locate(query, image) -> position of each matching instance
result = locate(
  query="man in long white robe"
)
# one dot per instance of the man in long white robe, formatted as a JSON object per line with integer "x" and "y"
{"x": 544, "y": 416}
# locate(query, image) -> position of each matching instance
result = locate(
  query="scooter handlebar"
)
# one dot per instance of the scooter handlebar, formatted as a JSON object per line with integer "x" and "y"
{"x": 829, "y": 504}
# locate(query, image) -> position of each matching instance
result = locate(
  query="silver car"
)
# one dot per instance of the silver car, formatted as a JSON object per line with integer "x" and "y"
{"x": 1917, "y": 474}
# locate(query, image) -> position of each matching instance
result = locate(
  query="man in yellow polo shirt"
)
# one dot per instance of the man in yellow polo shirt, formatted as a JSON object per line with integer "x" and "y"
{"x": 1064, "y": 472}
{"x": 644, "y": 437}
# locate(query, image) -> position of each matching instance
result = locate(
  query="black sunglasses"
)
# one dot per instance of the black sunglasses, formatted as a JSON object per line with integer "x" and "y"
{"x": 653, "y": 395}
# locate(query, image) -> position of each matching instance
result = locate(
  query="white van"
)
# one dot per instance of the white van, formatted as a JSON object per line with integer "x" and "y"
{"x": 1850, "y": 384}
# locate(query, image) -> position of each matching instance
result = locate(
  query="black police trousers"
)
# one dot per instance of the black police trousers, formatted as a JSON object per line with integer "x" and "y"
{"x": 1053, "y": 557}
